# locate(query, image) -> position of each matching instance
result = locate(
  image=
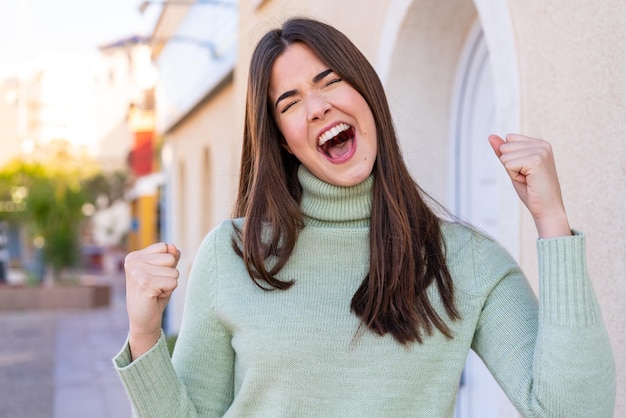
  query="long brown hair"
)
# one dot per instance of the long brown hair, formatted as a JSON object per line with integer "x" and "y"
{"x": 407, "y": 252}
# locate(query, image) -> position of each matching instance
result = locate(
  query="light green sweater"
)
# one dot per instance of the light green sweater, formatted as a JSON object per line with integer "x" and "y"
{"x": 244, "y": 352}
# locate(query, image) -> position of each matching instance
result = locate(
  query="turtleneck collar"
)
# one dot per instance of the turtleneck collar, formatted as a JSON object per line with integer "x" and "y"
{"x": 325, "y": 204}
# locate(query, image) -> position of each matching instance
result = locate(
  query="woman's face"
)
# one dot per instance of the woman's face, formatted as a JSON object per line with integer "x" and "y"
{"x": 326, "y": 123}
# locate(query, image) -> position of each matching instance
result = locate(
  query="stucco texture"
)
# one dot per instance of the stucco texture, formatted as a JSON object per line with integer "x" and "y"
{"x": 573, "y": 93}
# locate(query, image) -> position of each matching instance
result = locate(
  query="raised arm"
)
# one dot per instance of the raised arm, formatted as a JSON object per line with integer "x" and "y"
{"x": 552, "y": 358}
{"x": 151, "y": 277}
{"x": 198, "y": 380}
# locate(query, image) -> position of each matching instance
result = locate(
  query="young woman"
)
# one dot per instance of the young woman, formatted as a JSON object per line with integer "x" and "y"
{"x": 337, "y": 291}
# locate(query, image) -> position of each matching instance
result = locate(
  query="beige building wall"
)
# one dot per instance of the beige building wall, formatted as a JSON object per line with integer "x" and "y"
{"x": 567, "y": 64}
{"x": 573, "y": 92}
{"x": 204, "y": 173}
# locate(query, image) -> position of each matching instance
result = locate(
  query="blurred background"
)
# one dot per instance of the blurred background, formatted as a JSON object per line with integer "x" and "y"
{"x": 74, "y": 78}
{"x": 121, "y": 122}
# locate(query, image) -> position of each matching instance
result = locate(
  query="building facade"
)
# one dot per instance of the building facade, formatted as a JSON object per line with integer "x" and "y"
{"x": 454, "y": 72}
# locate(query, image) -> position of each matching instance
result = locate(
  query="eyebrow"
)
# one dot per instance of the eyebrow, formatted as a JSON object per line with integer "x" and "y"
{"x": 315, "y": 80}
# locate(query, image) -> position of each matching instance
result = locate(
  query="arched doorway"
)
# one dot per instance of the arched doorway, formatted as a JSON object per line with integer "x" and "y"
{"x": 474, "y": 168}
{"x": 476, "y": 178}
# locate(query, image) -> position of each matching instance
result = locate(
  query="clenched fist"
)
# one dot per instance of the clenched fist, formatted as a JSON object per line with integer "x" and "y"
{"x": 529, "y": 162}
{"x": 151, "y": 277}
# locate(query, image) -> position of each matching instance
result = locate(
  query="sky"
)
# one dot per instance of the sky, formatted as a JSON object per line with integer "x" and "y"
{"x": 30, "y": 27}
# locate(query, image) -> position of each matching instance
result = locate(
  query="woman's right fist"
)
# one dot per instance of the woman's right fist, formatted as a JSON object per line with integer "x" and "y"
{"x": 151, "y": 277}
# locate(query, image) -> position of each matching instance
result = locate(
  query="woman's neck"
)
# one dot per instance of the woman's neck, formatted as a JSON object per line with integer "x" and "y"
{"x": 327, "y": 205}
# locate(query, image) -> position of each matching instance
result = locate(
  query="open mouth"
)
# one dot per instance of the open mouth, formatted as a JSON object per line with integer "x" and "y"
{"x": 337, "y": 142}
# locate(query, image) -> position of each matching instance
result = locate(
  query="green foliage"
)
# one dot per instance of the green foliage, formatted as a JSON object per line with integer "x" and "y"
{"x": 50, "y": 207}
{"x": 46, "y": 196}
{"x": 54, "y": 208}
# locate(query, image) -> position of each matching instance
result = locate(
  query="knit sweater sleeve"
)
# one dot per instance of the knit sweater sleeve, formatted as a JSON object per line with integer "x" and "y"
{"x": 552, "y": 358}
{"x": 198, "y": 380}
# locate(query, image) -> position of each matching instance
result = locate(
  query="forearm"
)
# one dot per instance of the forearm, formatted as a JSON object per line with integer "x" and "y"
{"x": 572, "y": 341}
{"x": 139, "y": 343}
{"x": 152, "y": 384}
{"x": 556, "y": 225}
{"x": 556, "y": 359}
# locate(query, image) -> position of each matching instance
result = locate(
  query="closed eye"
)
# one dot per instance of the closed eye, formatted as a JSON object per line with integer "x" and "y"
{"x": 333, "y": 81}
{"x": 289, "y": 105}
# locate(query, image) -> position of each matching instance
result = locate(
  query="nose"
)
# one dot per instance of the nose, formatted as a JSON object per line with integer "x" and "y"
{"x": 317, "y": 106}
